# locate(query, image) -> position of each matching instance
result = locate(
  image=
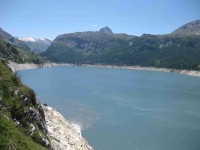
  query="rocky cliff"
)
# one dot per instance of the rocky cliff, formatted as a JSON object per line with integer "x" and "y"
{"x": 63, "y": 135}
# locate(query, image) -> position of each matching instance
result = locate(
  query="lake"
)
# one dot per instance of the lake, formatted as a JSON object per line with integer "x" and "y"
{"x": 120, "y": 109}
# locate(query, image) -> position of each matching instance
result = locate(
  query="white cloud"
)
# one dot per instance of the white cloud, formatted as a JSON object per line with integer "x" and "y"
{"x": 95, "y": 25}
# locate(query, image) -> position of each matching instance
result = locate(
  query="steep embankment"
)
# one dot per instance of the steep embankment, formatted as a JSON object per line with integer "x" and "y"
{"x": 65, "y": 136}
{"x": 106, "y": 48}
{"x": 22, "y": 122}
{"x": 26, "y": 124}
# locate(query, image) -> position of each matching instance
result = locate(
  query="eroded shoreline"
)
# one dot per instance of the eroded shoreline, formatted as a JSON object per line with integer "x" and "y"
{"x": 63, "y": 135}
{"x": 16, "y": 67}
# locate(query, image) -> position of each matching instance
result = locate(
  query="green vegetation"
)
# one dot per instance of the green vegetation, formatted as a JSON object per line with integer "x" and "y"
{"x": 21, "y": 119}
{"x": 12, "y": 138}
{"x": 11, "y": 52}
{"x": 191, "y": 28}
{"x": 21, "y": 116}
{"x": 12, "y": 40}
{"x": 168, "y": 51}
{"x": 38, "y": 46}
{"x": 16, "y": 50}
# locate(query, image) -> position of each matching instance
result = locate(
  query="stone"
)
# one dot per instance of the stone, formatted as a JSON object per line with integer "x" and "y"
{"x": 64, "y": 136}
{"x": 106, "y": 29}
{"x": 16, "y": 92}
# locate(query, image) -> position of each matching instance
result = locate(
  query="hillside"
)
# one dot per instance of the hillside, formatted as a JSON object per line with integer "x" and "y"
{"x": 22, "y": 123}
{"x": 16, "y": 50}
{"x": 36, "y": 45}
{"x": 105, "y": 47}
{"x": 192, "y": 28}
{"x": 19, "y": 55}
{"x": 12, "y": 40}
{"x": 25, "y": 124}
{"x": 82, "y": 47}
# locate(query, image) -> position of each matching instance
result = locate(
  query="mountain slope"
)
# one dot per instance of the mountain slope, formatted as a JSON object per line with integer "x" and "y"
{"x": 36, "y": 45}
{"x": 168, "y": 51}
{"x": 22, "y": 122}
{"x": 82, "y": 47}
{"x": 11, "y": 52}
{"x": 12, "y": 40}
{"x": 192, "y": 28}
{"x": 15, "y": 51}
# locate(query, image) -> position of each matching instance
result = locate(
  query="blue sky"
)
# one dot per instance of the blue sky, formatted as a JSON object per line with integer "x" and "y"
{"x": 49, "y": 18}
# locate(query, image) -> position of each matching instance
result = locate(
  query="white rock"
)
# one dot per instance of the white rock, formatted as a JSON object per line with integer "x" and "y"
{"x": 63, "y": 135}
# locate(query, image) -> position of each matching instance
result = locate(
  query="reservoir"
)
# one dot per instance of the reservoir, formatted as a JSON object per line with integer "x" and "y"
{"x": 121, "y": 109}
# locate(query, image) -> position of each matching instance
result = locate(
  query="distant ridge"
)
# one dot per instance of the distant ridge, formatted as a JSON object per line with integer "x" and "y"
{"x": 37, "y": 45}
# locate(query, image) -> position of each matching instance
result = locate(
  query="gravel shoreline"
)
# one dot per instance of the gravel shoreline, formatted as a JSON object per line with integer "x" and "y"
{"x": 16, "y": 67}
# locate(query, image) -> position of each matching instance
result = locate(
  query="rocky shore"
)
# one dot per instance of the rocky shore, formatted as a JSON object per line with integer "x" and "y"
{"x": 63, "y": 136}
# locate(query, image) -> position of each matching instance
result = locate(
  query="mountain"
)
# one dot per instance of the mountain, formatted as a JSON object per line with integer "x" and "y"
{"x": 77, "y": 46}
{"x": 36, "y": 45}
{"x": 15, "y": 51}
{"x": 192, "y": 28}
{"x": 12, "y": 40}
{"x": 19, "y": 55}
{"x": 168, "y": 51}
{"x": 106, "y": 29}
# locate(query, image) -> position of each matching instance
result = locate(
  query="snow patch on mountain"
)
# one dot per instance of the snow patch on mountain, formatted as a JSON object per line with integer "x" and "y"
{"x": 32, "y": 39}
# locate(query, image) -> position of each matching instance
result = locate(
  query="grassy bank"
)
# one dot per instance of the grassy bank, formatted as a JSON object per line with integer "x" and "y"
{"x": 16, "y": 121}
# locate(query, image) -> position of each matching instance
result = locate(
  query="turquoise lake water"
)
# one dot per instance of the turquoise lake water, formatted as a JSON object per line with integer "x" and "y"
{"x": 121, "y": 109}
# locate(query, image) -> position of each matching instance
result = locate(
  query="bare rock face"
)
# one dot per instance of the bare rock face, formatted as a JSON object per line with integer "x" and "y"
{"x": 105, "y": 30}
{"x": 63, "y": 136}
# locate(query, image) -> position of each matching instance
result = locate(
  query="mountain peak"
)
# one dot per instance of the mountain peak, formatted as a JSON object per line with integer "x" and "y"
{"x": 191, "y": 28}
{"x": 105, "y": 29}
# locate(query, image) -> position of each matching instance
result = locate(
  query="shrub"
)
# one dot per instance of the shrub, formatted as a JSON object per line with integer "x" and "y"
{"x": 32, "y": 96}
{"x": 36, "y": 137}
{"x": 16, "y": 79}
{"x": 5, "y": 90}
